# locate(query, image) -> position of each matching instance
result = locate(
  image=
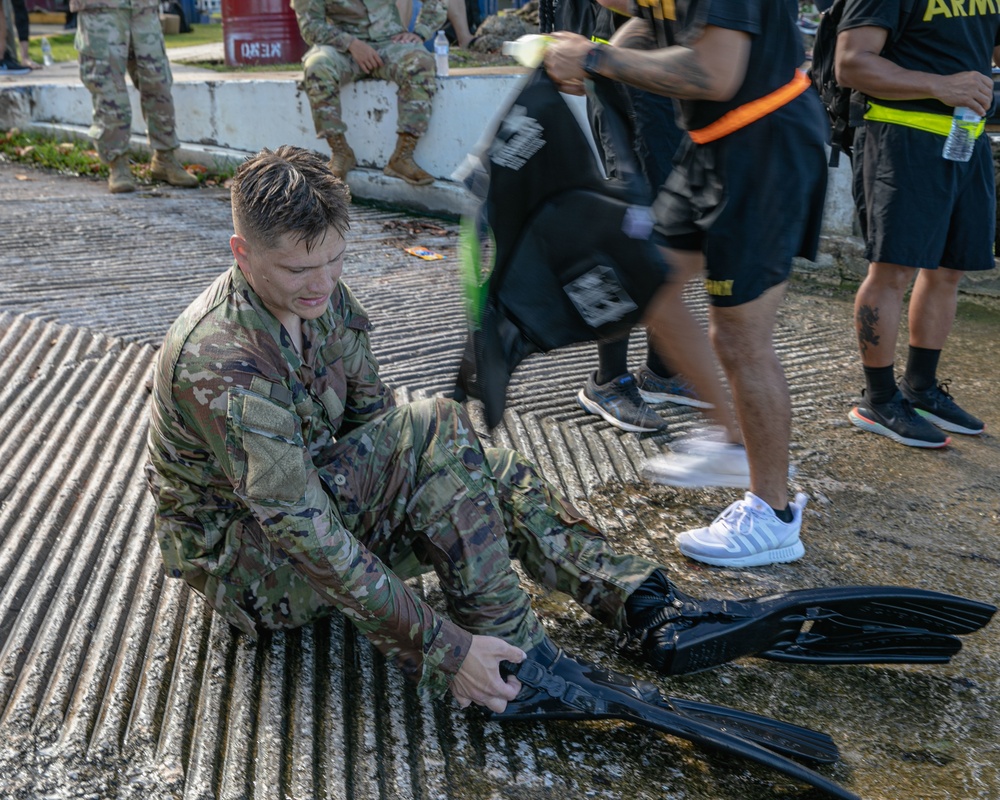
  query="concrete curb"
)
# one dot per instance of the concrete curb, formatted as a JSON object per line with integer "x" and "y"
{"x": 224, "y": 117}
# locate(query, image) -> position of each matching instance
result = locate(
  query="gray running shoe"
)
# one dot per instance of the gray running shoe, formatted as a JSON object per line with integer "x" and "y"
{"x": 654, "y": 389}
{"x": 618, "y": 401}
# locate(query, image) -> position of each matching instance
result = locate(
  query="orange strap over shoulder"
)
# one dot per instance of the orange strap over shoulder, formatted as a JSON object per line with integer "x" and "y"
{"x": 751, "y": 112}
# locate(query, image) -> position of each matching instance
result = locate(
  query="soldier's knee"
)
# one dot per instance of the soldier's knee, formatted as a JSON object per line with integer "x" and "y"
{"x": 321, "y": 63}
{"x": 418, "y": 62}
{"x": 439, "y": 408}
{"x": 447, "y": 408}
{"x": 438, "y": 414}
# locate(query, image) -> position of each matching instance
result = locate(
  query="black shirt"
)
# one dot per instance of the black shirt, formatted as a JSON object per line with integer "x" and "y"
{"x": 942, "y": 37}
{"x": 775, "y": 48}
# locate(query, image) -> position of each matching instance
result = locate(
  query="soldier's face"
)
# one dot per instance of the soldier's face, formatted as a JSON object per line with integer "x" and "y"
{"x": 292, "y": 282}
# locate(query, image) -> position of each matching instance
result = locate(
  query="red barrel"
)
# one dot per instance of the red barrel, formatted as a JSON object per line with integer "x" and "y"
{"x": 261, "y": 32}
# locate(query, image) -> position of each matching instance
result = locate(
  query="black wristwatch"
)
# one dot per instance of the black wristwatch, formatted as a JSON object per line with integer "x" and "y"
{"x": 594, "y": 59}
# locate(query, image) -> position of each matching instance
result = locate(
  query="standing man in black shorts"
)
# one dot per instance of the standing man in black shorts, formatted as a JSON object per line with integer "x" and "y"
{"x": 745, "y": 196}
{"x": 921, "y": 214}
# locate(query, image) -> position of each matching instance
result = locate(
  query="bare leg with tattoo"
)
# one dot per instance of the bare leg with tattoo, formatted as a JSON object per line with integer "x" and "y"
{"x": 884, "y": 408}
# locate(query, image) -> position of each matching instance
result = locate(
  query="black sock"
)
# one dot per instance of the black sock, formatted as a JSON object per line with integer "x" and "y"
{"x": 921, "y": 368}
{"x": 881, "y": 384}
{"x": 612, "y": 360}
{"x": 785, "y": 515}
{"x": 654, "y": 363}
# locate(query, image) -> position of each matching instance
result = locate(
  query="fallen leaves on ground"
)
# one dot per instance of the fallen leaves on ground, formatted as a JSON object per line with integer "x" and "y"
{"x": 414, "y": 227}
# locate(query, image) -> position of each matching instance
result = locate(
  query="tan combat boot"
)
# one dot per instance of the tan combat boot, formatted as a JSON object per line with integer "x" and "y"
{"x": 120, "y": 176}
{"x": 402, "y": 165}
{"x": 342, "y": 158}
{"x": 166, "y": 167}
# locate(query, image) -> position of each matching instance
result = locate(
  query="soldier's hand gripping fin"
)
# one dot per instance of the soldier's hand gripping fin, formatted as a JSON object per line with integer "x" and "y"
{"x": 570, "y": 689}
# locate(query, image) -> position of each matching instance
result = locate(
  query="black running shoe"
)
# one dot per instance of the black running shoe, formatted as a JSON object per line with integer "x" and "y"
{"x": 898, "y": 420}
{"x": 9, "y": 66}
{"x": 936, "y": 404}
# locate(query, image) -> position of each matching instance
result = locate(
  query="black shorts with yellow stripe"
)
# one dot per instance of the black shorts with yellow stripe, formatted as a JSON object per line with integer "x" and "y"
{"x": 750, "y": 201}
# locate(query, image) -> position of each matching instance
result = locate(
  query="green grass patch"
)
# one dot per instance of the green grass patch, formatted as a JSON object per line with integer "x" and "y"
{"x": 79, "y": 158}
{"x": 63, "y": 48}
{"x": 208, "y": 33}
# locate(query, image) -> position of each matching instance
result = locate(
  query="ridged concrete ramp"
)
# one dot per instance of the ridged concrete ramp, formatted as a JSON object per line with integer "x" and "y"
{"x": 118, "y": 683}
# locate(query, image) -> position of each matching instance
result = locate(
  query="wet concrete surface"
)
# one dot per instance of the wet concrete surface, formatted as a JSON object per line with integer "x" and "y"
{"x": 116, "y": 683}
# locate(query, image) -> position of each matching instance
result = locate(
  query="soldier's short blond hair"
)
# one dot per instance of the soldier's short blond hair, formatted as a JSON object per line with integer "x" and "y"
{"x": 288, "y": 191}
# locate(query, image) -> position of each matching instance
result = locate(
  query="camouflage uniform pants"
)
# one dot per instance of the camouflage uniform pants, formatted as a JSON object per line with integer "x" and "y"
{"x": 409, "y": 66}
{"x": 111, "y": 42}
{"x": 419, "y": 490}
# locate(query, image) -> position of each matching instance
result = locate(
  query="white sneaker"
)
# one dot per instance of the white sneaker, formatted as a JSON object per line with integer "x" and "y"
{"x": 747, "y": 534}
{"x": 700, "y": 462}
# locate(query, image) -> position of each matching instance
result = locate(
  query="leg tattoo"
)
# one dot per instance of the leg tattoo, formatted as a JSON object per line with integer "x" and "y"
{"x": 867, "y": 320}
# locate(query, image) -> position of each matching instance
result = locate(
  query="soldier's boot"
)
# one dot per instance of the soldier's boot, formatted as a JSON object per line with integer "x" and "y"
{"x": 166, "y": 167}
{"x": 402, "y": 165}
{"x": 342, "y": 158}
{"x": 120, "y": 176}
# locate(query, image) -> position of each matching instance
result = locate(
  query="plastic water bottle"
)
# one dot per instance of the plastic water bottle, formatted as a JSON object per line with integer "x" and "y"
{"x": 441, "y": 54}
{"x": 961, "y": 140}
{"x": 47, "y": 58}
{"x": 528, "y": 50}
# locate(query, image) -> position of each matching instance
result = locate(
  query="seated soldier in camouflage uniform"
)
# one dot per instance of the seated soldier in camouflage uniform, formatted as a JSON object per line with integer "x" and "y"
{"x": 355, "y": 39}
{"x": 289, "y": 485}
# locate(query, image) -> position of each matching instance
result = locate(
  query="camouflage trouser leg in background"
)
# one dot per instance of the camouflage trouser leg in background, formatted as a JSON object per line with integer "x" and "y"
{"x": 9, "y": 44}
{"x": 418, "y": 489}
{"x": 409, "y": 66}
{"x": 112, "y": 42}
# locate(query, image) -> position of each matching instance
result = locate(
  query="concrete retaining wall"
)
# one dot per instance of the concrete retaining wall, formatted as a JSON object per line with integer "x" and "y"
{"x": 226, "y": 116}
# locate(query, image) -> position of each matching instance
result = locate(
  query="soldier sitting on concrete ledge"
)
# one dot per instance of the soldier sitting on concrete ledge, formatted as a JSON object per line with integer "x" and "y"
{"x": 351, "y": 40}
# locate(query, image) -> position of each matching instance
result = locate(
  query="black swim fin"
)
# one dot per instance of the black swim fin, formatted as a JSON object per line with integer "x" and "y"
{"x": 575, "y": 690}
{"x": 828, "y": 642}
{"x": 836, "y": 625}
{"x": 781, "y": 737}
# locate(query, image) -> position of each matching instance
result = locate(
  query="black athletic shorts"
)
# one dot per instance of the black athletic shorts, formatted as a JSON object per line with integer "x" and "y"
{"x": 750, "y": 201}
{"x": 918, "y": 209}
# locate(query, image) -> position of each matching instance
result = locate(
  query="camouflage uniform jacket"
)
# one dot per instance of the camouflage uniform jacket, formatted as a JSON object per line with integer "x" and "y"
{"x": 338, "y": 22}
{"x": 231, "y": 401}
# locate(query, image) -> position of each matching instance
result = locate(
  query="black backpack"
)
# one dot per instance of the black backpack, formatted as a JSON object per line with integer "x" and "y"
{"x": 844, "y": 106}
{"x": 569, "y": 252}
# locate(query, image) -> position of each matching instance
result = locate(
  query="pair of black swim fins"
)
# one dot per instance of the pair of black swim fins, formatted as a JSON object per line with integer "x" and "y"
{"x": 841, "y": 625}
